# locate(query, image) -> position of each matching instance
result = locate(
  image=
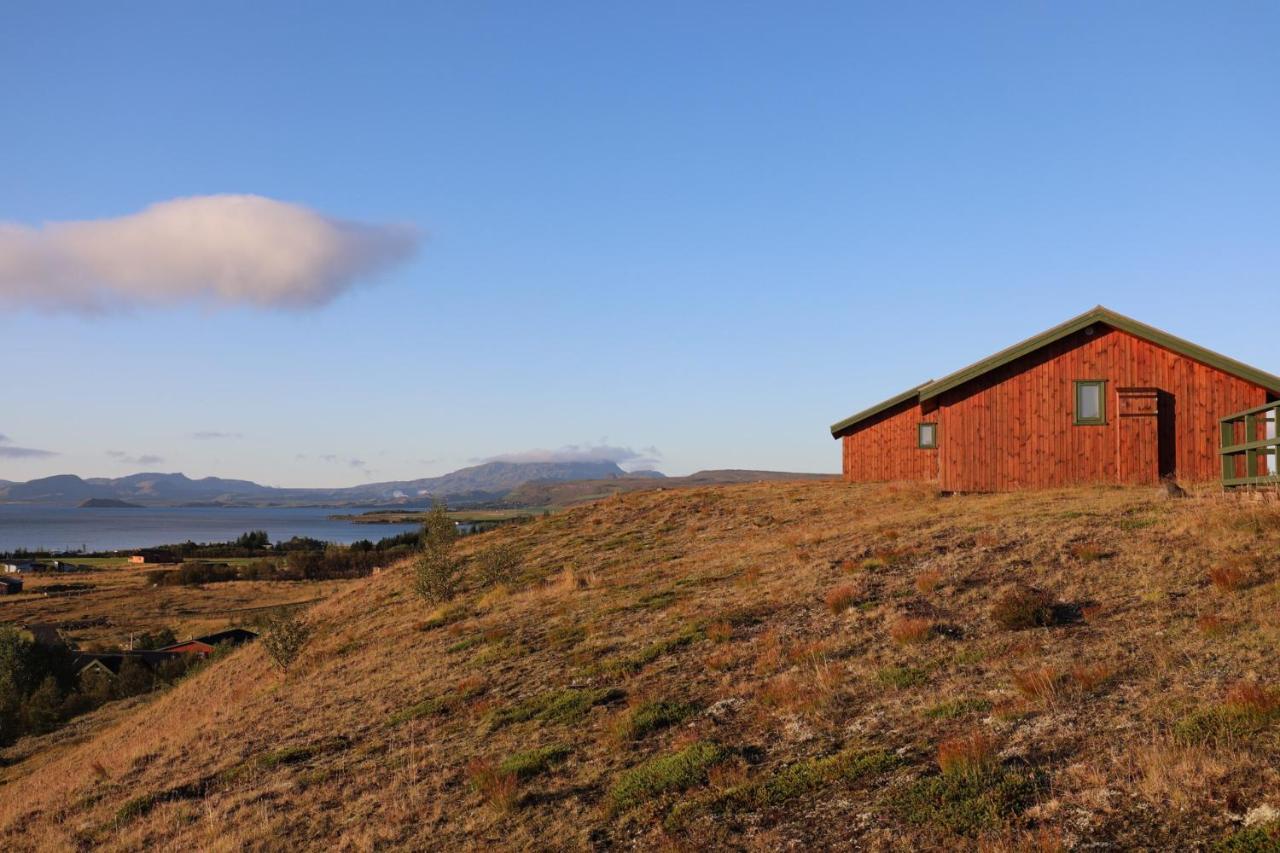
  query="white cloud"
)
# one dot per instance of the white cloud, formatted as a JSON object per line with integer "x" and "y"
{"x": 213, "y": 435}
{"x": 141, "y": 459}
{"x": 9, "y": 451}
{"x": 625, "y": 457}
{"x": 219, "y": 250}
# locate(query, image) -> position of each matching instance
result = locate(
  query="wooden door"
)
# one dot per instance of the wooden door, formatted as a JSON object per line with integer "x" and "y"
{"x": 1138, "y": 436}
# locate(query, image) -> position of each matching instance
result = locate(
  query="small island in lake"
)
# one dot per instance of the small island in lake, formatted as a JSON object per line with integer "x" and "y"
{"x": 107, "y": 503}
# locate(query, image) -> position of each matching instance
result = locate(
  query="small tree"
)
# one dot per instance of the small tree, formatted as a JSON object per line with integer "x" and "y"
{"x": 437, "y": 572}
{"x": 498, "y": 564}
{"x": 286, "y": 635}
{"x": 42, "y": 710}
{"x": 135, "y": 677}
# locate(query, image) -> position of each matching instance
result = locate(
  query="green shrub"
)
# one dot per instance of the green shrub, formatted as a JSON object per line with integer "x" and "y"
{"x": 533, "y": 762}
{"x": 957, "y": 708}
{"x": 1219, "y": 726}
{"x": 288, "y": 755}
{"x": 794, "y": 780}
{"x": 443, "y": 616}
{"x": 966, "y": 804}
{"x": 1252, "y": 839}
{"x": 430, "y": 707}
{"x": 901, "y": 677}
{"x": 556, "y": 706}
{"x": 664, "y": 774}
{"x": 653, "y": 716}
{"x": 285, "y": 636}
{"x": 633, "y": 663}
{"x": 498, "y": 564}
{"x": 437, "y": 572}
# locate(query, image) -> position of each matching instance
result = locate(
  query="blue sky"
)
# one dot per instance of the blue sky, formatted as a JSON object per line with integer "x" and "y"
{"x": 698, "y": 233}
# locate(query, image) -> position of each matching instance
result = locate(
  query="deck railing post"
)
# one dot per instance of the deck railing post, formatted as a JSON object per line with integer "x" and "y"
{"x": 1250, "y": 436}
{"x": 1228, "y": 439}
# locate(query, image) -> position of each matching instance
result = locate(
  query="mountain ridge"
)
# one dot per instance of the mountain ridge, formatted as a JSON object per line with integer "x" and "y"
{"x": 485, "y": 481}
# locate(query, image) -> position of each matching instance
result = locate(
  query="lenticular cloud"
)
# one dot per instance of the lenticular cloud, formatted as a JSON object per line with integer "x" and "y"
{"x": 219, "y": 250}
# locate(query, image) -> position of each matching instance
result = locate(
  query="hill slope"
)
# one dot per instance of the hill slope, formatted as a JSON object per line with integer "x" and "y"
{"x": 674, "y": 667}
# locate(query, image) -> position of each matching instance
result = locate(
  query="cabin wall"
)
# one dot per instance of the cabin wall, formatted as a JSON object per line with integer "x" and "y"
{"x": 1013, "y": 427}
{"x": 884, "y": 448}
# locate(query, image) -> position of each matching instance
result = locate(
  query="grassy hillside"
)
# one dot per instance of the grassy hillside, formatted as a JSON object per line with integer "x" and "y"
{"x": 809, "y": 664}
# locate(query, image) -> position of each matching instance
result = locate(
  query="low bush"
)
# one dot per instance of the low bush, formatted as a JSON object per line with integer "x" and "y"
{"x": 901, "y": 677}
{"x": 1262, "y": 838}
{"x": 633, "y": 663}
{"x": 787, "y": 783}
{"x": 953, "y": 708}
{"x": 556, "y": 706}
{"x": 965, "y": 803}
{"x": 1022, "y": 607}
{"x": 498, "y": 564}
{"x": 534, "y": 762}
{"x": 664, "y": 774}
{"x": 285, "y": 637}
{"x": 1248, "y": 709}
{"x": 649, "y": 717}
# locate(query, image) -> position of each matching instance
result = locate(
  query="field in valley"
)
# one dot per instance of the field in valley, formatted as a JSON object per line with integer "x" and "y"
{"x": 757, "y": 666}
{"x": 103, "y": 607}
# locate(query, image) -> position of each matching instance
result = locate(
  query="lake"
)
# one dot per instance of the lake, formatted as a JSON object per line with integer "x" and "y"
{"x": 111, "y": 529}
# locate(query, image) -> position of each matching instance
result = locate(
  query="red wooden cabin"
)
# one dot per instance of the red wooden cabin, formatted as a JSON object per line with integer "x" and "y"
{"x": 1101, "y": 398}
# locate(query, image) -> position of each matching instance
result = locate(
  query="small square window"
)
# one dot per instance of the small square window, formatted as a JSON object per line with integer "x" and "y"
{"x": 927, "y": 436}
{"x": 1091, "y": 402}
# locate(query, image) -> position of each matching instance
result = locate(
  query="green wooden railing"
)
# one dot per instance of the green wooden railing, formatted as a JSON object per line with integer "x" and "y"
{"x": 1259, "y": 453}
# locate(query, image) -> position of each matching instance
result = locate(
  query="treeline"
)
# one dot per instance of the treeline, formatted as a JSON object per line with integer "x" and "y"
{"x": 298, "y": 559}
{"x": 40, "y": 690}
{"x": 256, "y": 543}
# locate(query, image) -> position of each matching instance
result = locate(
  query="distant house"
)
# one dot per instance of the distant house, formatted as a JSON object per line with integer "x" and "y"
{"x": 209, "y": 642}
{"x": 154, "y": 555}
{"x": 10, "y": 586}
{"x": 109, "y": 663}
{"x": 15, "y": 567}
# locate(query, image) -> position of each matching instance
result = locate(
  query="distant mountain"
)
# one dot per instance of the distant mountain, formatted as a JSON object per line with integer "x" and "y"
{"x": 107, "y": 503}
{"x": 476, "y": 484}
{"x": 548, "y": 493}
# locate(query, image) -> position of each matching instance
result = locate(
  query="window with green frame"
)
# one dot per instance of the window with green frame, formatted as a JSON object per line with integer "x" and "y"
{"x": 1091, "y": 402}
{"x": 927, "y": 436}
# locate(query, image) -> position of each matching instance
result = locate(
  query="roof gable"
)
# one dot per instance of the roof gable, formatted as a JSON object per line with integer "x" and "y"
{"x": 1099, "y": 314}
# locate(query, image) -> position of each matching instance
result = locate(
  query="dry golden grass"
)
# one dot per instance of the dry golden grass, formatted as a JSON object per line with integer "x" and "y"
{"x": 907, "y": 631}
{"x": 393, "y": 729}
{"x": 119, "y": 602}
{"x": 841, "y": 598}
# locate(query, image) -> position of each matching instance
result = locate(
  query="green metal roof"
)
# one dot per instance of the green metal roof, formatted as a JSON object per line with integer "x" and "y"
{"x": 913, "y": 394}
{"x": 1099, "y": 314}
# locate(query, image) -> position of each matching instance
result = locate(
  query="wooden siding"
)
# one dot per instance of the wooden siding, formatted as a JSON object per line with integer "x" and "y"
{"x": 1014, "y": 427}
{"x": 884, "y": 447}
